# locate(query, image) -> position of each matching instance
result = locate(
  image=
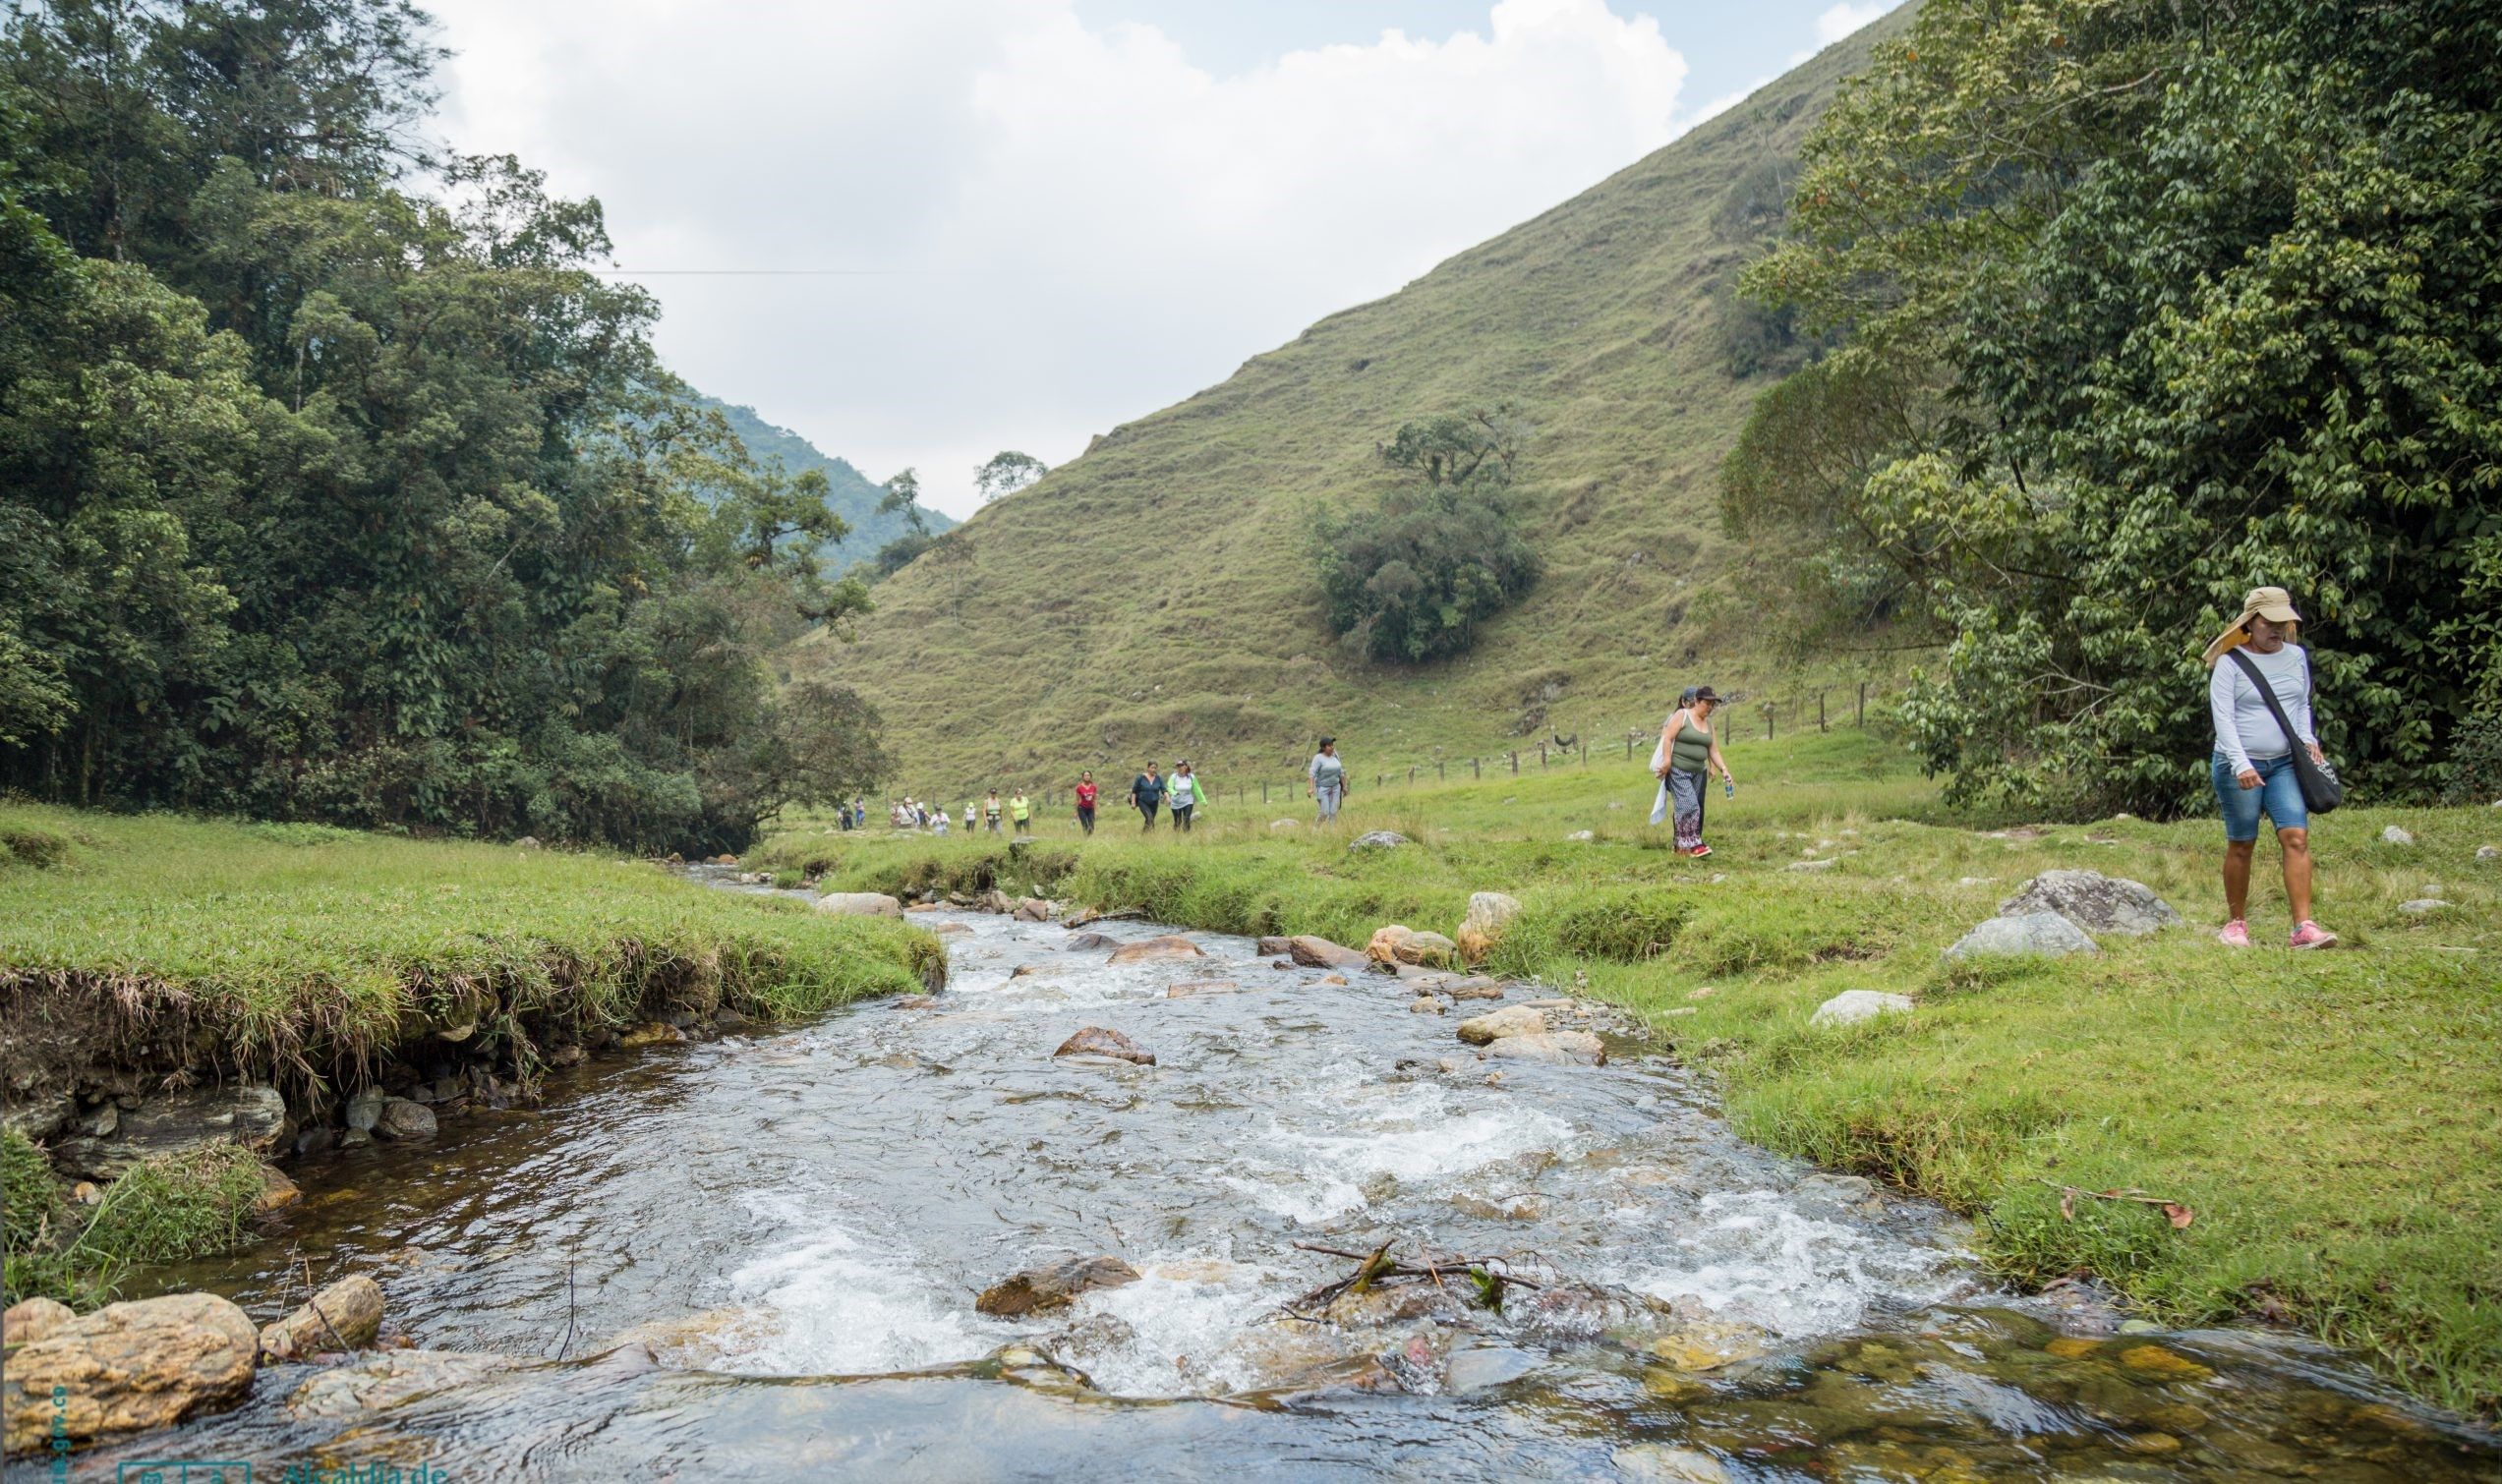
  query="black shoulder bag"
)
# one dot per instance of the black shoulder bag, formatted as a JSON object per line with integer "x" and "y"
{"x": 2321, "y": 792}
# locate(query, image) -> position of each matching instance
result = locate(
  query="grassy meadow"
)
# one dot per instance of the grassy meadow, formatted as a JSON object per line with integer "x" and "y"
{"x": 305, "y": 952}
{"x": 2333, "y": 1118}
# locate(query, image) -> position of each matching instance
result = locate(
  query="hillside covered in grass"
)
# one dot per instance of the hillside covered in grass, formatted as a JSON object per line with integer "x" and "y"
{"x": 850, "y": 493}
{"x": 2328, "y": 1118}
{"x": 1072, "y": 626}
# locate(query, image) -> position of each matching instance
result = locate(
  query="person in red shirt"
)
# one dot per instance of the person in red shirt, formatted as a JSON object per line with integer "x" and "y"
{"x": 1085, "y": 802}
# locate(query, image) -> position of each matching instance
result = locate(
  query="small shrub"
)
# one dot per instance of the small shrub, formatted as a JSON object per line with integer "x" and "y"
{"x": 26, "y": 1184}
{"x": 278, "y": 833}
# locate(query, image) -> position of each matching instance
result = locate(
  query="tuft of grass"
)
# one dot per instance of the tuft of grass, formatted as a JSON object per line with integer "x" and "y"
{"x": 32, "y": 1195}
{"x": 300, "y": 958}
{"x": 23, "y": 843}
{"x": 2333, "y": 1119}
{"x": 172, "y": 1207}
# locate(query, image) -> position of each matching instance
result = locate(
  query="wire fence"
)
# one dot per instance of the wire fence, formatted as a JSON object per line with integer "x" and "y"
{"x": 1740, "y": 718}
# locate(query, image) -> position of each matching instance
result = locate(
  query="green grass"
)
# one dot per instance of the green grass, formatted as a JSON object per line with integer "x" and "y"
{"x": 1156, "y": 598}
{"x": 302, "y": 954}
{"x": 2333, "y": 1118}
{"x": 159, "y": 1210}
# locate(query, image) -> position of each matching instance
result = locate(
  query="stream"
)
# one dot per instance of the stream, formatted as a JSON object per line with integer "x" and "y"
{"x": 759, "y": 1255}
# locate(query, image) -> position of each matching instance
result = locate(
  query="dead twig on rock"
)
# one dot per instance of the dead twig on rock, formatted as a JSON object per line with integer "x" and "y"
{"x": 1490, "y": 1275}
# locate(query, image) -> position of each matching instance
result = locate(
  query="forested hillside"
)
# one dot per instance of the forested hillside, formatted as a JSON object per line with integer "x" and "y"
{"x": 850, "y": 493}
{"x": 339, "y": 487}
{"x": 1161, "y": 594}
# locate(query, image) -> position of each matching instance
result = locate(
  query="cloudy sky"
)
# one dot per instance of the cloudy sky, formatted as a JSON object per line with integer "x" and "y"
{"x": 919, "y": 233}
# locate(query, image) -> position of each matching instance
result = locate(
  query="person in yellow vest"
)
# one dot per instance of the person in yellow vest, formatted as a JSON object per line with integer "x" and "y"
{"x": 1020, "y": 811}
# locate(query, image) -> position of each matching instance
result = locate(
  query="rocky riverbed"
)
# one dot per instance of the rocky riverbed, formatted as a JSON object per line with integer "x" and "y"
{"x": 909, "y": 1239}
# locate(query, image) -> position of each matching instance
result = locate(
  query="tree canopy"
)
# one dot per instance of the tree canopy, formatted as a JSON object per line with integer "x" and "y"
{"x": 2144, "y": 306}
{"x": 342, "y": 487}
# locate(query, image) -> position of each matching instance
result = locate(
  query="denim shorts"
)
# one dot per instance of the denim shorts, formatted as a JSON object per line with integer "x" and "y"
{"x": 2279, "y": 796}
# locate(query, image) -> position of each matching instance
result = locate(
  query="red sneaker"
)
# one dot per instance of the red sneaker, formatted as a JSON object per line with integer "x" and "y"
{"x": 2309, "y": 935}
{"x": 2236, "y": 933}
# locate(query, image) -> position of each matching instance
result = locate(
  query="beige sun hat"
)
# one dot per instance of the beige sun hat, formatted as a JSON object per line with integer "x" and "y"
{"x": 2274, "y": 605}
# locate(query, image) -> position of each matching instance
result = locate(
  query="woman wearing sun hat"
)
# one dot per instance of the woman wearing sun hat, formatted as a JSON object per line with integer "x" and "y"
{"x": 2253, "y": 765}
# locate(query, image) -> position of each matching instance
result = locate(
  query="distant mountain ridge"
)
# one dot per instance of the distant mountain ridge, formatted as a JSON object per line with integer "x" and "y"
{"x": 850, "y": 493}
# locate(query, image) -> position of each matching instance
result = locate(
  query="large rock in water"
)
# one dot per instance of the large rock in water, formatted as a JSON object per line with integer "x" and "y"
{"x": 859, "y": 904}
{"x": 1510, "y": 1020}
{"x": 128, "y": 1368}
{"x": 404, "y": 1118}
{"x": 1148, "y": 951}
{"x": 178, "y": 1124}
{"x": 2043, "y": 933}
{"x": 387, "y": 1379}
{"x": 1383, "y": 946}
{"x": 1426, "y": 949}
{"x": 1489, "y": 914}
{"x": 1099, "y": 1041}
{"x": 1558, "y": 1047}
{"x": 1052, "y": 1286}
{"x": 1320, "y": 953}
{"x": 345, "y": 1316}
{"x": 2093, "y": 901}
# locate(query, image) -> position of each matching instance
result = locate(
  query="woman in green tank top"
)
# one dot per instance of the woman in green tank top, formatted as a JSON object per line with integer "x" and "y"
{"x": 1687, "y": 756}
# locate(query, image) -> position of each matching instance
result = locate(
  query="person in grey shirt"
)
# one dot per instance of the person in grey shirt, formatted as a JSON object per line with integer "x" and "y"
{"x": 1328, "y": 779}
{"x": 2253, "y": 768}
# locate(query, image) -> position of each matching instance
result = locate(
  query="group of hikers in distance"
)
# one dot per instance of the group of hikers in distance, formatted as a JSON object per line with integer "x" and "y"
{"x": 2266, "y": 761}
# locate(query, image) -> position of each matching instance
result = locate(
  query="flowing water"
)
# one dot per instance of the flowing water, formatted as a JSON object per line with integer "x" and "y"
{"x": 758, "y": 1257}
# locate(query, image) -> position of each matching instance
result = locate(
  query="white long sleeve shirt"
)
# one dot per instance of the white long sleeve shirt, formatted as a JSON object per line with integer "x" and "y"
{"x": 2245, "y": 729}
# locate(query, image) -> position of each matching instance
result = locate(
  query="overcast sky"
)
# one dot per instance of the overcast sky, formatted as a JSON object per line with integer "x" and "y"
{"x": 922, "y": 231}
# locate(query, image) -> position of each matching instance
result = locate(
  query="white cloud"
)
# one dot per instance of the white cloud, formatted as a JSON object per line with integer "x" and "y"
{"x": 1843, "y": 19}
{"x": 1067, "y": 226}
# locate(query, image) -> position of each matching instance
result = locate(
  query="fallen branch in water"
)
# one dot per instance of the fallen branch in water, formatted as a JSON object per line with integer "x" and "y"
{"x": 1490, "y": 1275}
{"x": 2174, "y": 1212}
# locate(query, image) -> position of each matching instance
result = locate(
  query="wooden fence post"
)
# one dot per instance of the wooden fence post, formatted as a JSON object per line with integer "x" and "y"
{"x": 1263, "y": 792}
{"x": 1863, "y": 702}
{"x": 1542, "y": 754}
{"x": 1515, "y": 760}
{"x": 1472, "y": 769}
{"x": 1768, "y": 722}
{"x": 1438, "y": 769}
{"x": 1585, "y": 755}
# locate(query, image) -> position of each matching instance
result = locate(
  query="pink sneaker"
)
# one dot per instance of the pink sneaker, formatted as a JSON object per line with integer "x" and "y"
{"x": 2310, "y": 934}
{"x": 2236, "y": 933}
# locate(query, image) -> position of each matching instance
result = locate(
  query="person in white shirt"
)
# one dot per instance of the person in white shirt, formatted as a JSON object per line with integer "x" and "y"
{"x": 2253, "y": 768}
{"x": 1182, "y": 795}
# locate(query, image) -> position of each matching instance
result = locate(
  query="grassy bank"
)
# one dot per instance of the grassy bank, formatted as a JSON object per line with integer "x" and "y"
{"x": 301, "y": 954}
{"x": 2333, "y": 1118}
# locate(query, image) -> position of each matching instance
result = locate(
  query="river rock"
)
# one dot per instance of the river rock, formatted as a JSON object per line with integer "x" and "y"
{"x": 1480, "y": 1367}
{"x": 1280, "y": 827}
{"x": 1191, "y": 987}
{"x": 1426, "y": 1004}
{"x": 1473, "y": 988}
{"x": 1851, "y": 1006}
{"x": 2397, "y": 836}
{"x": 1426, "y": 949}
{"x": 1320, "y": 953}
{"x": 1380, "y": 839}
{"x": 2093, "y": 901}
{"x": 1097, "y": 1041}
{"x": 365, "y": 1107}
{"x": 29, "y": 1320}
{"x": 345, "y": 1316}
{"x": 1561, "y": 1048}
{"x": 1384, "y": 948}
{"x": 1080, "y": 942}
{"x": 649, "y": 1033}
{"x": 127, "y": 1368}
{"x": 1659, "y": 1464}
{"x": 994, "y": 901}
{"x": 2044, "y": 933}
{"x": 1511, "y": 1020}
{"x": 1051, "y": 1286}
{"x": 1582, "y": 836}
{"x": 178, "y": 1124}
{"x": 2423, "y": 906}
{"x": 41, "y": 1116}
{"x": 1270, "y": 948}
{"x": 689, "y": 1342}
{"x": 1489, "y": 914}
{"x": 1568, "y": 1312}
{"x": 277, "y": 1192}
{"x": 404, "y": 1118}
{"x": 2489, "y": 852}
{"x": 1150, "y": 950}
{"x": 1034, "y": 909}
{"x": 387, "y": 1379}
{"x": 859, "y": 904}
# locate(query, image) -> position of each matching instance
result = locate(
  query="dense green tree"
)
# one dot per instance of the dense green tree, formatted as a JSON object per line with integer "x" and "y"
{"x": 334, "y": 498}
{"x": 1409, "y": 580}
{"x": 1005, "y": 473}
{"x": 2147, "y": 306}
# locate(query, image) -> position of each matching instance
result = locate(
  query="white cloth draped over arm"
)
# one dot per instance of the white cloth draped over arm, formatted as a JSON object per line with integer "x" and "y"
{"x": 2228, "y": 734}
